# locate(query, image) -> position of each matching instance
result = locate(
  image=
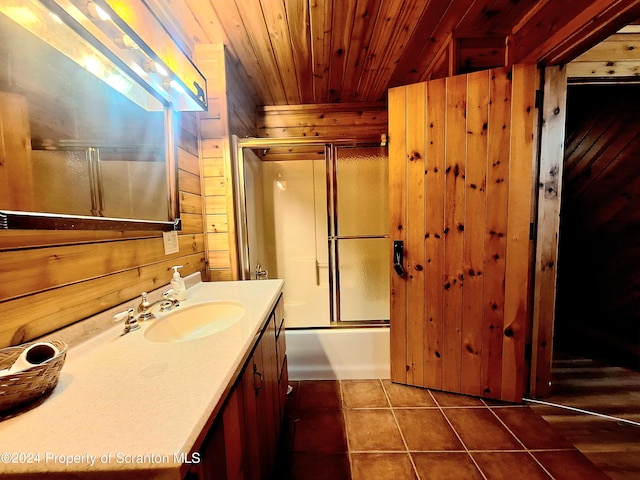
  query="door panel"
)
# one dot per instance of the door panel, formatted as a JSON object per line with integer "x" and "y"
{"x": 461, "y": 165}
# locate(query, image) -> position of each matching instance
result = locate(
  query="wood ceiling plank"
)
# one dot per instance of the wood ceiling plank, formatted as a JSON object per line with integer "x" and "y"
{"x": 557, "y": 33}
{"x": 343, "y": 17}
{"x": 275, "y": 18}
{"x": 387, "y": 28}
{"x": 238, "y": 41}
{"x": 320, "y": 12}
{"x": 300, "y": 33}
{"x": 248, "y": 14}
{"x": 361, "y": 32}
{"x": 435, "y": 25}
{"x": 185, "y": 28}
{"x": 402, "y": 32}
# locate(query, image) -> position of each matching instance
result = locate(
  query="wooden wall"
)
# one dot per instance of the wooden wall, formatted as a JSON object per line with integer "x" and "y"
{"x": 332, "y": 120}
{"x": 231, "y": 112}
{"x": 598, "y": 309}
{"x": 51, "y": 279}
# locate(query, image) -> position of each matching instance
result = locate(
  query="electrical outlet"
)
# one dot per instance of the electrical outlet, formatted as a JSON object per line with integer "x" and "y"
{"x": 170, "y": 242}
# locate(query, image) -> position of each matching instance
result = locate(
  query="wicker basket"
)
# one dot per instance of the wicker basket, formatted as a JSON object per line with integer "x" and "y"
{"x": 27, "y": 385}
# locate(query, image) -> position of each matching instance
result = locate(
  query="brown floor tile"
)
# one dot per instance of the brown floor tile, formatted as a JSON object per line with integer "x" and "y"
{"x": 381, "y": 466}
{"x": 438, "y": 466}
{"x": 319, "y": 466}
{"x": 531, "y": 428}
{"x": 427, "y": 429}
{"x": 363, "y": 394}
{"x": 407, "y": 396}
{"x": 509, "y": 465}
{"x": 372, "y": 430}
{"x": 479, "y": 429}
{"x": 569, "y": 465}
{"x": 323, "y": 394}
{"x": 319, "y": 431}
{"x": 446, "y": 399}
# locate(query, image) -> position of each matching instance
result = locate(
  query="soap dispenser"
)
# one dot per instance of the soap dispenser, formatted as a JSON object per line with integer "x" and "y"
{"x": 177, "y": 284}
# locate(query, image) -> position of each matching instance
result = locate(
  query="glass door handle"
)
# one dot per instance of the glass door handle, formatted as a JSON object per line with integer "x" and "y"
{"x": 398, "y": 253}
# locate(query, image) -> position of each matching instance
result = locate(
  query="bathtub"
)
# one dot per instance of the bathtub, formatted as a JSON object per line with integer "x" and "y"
{"x": 338, "y": 353}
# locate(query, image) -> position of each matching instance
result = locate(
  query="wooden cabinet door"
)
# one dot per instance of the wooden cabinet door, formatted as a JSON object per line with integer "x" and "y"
{"x": 461, "y": 153}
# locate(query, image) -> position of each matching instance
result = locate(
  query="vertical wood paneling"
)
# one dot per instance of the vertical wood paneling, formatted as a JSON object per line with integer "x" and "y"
{"x": 474, "y": 230}
{"x": 516, "y": 309}
{"x": 434, "y": 228}
{"x": 475, "y": 202}
{"x": 415, "y": 231}
{"x": 398, "y": 205}
{"x": 496, "y": 230}
{"x": 456, "y": 131}
{"x": 548, "y": 228}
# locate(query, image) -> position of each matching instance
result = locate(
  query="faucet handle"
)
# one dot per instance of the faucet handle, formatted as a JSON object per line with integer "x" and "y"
{"x": 131, "y": 323}
{"x": 118, "y": 317}
{"x": 144, "y": 308}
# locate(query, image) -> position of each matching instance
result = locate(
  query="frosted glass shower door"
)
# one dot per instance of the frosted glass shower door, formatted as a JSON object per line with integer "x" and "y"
{"x": 362, "y": 243}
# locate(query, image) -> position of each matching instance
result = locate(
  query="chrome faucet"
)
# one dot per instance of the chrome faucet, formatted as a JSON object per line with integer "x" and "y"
{"x": 166, "y": 303}
{"x": 130, "y": 324}
{"x": 260, "y": 273}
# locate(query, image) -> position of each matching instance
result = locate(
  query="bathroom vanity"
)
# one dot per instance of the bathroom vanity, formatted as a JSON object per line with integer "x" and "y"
{"x": 206, "y": 404}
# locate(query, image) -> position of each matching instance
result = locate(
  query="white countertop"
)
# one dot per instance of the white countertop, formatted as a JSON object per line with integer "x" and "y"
{"x": 126, "y": 403}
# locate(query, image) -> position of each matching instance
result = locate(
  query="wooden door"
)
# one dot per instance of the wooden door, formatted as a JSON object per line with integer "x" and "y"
{"x": 461, "y": 153}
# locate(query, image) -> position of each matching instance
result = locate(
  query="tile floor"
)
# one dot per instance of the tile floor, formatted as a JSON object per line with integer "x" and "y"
{"x": 377, "y": 430}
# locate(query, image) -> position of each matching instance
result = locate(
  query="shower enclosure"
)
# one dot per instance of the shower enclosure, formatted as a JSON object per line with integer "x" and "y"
{"x": 317, "y": 217}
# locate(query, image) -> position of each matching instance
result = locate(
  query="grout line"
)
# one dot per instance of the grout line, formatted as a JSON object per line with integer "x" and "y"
{"x": 459, "y": 437}
{"x": 344, "y": 423}
{"x": 404, "y": 441}
{"x": 521, "y": 443}
{"x": 580, "y": 410}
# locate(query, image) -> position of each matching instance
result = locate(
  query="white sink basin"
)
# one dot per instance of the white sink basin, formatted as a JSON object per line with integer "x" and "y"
{"x": 195, "y": 321}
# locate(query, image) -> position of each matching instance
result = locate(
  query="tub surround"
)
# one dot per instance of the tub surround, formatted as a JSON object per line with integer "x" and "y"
{"x": 329, "y": 353}
{"x": 126, "y": 405}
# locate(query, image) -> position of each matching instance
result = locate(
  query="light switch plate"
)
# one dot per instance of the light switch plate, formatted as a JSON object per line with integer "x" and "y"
{"x": 170, "y": 242}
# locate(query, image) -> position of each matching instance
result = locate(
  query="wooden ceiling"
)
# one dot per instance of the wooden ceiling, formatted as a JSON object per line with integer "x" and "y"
{"x": 321, "y": 51}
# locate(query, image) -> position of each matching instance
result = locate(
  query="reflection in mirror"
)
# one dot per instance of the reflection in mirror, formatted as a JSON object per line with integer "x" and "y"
{"x": 70, "y": 142}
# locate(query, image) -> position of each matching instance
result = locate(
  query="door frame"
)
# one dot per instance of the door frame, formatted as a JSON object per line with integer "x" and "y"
{"x": 547, "y": 228}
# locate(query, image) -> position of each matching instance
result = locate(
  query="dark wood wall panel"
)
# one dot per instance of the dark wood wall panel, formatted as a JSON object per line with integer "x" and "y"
{"x": 599, "y": 263}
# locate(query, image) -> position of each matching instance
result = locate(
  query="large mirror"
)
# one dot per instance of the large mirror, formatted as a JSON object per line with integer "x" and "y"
{"x": 79, "y": 143}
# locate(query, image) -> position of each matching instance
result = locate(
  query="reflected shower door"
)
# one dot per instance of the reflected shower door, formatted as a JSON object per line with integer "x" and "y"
{"x": 360, "y": 240}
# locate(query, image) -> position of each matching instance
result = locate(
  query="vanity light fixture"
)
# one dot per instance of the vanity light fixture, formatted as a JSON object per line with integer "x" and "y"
{"x": 97, "y": 12}
{"x": 125, "y": 41}
{"x": 150, "y": 66}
